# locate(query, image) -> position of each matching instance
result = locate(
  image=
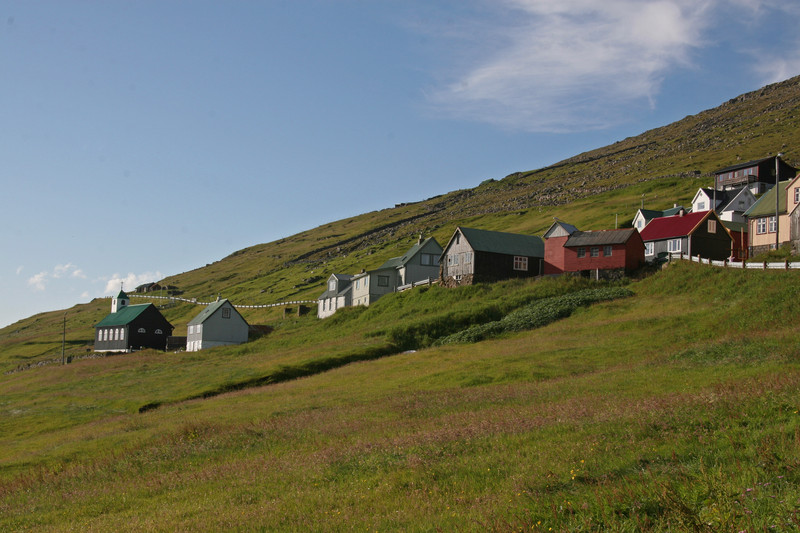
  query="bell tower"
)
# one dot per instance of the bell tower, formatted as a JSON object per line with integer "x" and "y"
{"x": 120, "y": 301}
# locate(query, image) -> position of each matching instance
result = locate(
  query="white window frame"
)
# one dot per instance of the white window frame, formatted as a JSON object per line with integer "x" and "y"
{"x": 521, "y": 263}
{"x": 773, "y": 227}
{"x": 649, "y": 248}
{"x": 674, "y": 245}
{"x": 761, "y": 225}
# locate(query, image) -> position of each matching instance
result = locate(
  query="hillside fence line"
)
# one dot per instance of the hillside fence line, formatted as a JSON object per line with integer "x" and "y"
{"x": 778, "y": 265}
{"x": 196, "y": 302}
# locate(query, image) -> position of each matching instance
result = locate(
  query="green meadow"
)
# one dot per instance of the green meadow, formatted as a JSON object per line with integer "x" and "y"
{"x": 671, "y": 407}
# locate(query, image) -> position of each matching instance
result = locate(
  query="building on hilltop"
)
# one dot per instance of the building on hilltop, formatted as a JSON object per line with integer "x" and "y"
{"x": 758, "y": 176}
{"x": 476, "y": 256}
{"x": 338, "y": 294}
{"x": 219, "y": 324}
{"x": 730, "y": 204}
{"x": 131, "y": 327}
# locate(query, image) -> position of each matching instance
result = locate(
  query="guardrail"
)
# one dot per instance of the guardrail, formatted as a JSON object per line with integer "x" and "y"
{"x": 775, "y": 265}
{"x": 407, "y": 286}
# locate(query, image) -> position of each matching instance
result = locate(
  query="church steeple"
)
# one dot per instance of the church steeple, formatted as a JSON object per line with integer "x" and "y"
{"x": 119, "y": 301}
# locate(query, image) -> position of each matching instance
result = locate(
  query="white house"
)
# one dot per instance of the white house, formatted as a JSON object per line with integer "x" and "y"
{"x": 219, "y": 324}
{"x": 644, "y": 216}
{"x": 337, "y": 295}
{"x": 729, "y": 204}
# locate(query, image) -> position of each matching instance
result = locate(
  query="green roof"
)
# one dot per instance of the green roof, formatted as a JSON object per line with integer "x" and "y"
{"x": 503, "y": 243}
{"x": 396, "y": 262}
{"x": 208, "y": 311}
{"x": 765, "y": 206}
{"x": 124, "y": 316}
{"x": 122, "y": 295}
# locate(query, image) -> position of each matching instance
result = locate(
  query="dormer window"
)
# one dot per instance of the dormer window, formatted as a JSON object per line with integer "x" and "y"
{"x": 332, "y": 285}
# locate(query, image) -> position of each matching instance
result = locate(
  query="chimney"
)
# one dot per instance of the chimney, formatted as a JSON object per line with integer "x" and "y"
{"x": 420, "y": 239}
{"x": 681, "y": 212}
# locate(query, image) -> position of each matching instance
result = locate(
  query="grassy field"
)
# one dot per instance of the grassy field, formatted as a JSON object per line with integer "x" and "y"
{"x": 674, "y": 409}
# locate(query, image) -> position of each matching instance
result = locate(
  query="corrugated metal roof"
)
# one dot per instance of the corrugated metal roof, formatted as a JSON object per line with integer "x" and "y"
{"x": 124, "y": 316}
{"x": 744, "y": 165}
{"x": 503, "y": 243}
{"x": 600, "y": 238}
{"x": 765, "y": 206}
{"x": 210, "y": 309}
{"x": 671, "y": 227}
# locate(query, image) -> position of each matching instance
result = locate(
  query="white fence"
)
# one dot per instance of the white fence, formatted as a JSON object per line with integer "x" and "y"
{"x": 194, "y": 301}
{"x": 780, "y": 265}
{"x": 407, "y": 286}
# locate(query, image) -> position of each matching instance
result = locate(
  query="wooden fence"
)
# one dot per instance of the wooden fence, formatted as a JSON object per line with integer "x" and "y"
{"x": 779, "y": 265}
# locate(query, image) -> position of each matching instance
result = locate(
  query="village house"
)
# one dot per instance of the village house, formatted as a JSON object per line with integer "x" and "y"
{"x": 691, "y": 234}
{"x": 339, "y": 293}
{"x": 758, "y": 176}
{"x": 762, "y": 225}
{"x": 420, "y": 263}
{"x": 475, "y": 256}
{"x": 219, "y": 324}
{"x": 131, "y": 327}
{"x": 644, "y": 216}
{"x": 729, "y": 204}
{"x": 601, "y": 254}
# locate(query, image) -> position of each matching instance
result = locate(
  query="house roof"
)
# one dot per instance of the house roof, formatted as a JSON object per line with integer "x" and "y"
{"x": 502, "y": 243}
{"x": 569, "y": 229}
{"x": 398, "y": 262}
{"x": 744, "y": 165}
{"x": 673, "y": 226}
{"x": 348, "y": 278}
{"x": 122, "y": 295}
{"x": 600, "y": 238}
{"x": 650, "y": 214}
{"x": 209, "y": 310}
{"x": 765, "y": 206}
{"x": 124, "y": 316}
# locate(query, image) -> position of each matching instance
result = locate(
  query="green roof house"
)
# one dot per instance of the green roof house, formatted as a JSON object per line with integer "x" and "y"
{"x": 475, "y": 256}
{"x": 219, "y": 324}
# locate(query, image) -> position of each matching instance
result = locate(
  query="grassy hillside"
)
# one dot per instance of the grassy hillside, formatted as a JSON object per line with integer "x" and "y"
{"x": 676, "y": 408}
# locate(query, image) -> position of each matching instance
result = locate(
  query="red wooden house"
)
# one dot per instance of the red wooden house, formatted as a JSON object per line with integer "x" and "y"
{"x": 607, "y": 251}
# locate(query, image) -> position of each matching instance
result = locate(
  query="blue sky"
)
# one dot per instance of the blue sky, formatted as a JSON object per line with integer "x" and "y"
{"x": 143, "y": 139}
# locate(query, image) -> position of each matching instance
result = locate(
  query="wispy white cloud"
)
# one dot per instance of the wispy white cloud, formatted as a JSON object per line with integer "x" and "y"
{"x": 581, "y": 64}
{"x": 39, "y": 281}
{"x": 20, "y": 269}
{"x": 130, "y": 281}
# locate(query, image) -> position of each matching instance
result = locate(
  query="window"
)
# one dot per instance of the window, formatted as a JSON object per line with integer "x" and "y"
{"x": 122, "y": 334}
{"x": 772, "y": 225}
{"x": 761, "y": 225}
{"x": 701, "y": 206}
{"x": 674, "y": 245}
{"x": 581, "y": 251}
{"x": 594, "y": 251}
{"x": 383, "y": 281}
{"x": 520, "y": 263}
{"x": 607, "y": 251}
{"x": 116, "y": 334}
{"x": 159, "y": 332}
{"x": 332, "y": 285}
{"x": 99, "y": 334}
{"x": 105, "y": 334}
{"x": 467, "y": 258}
{"x": 142, "y": 330}
{"x": 796, "y": 194}
{"x": 639, "y": 224}
{"x": 226, "y": 312}
{"x": 712, "y": 226}
{"x": 358, "y": 281}
{"x": 648, "y": 248}
{"x": 452, "y": 259}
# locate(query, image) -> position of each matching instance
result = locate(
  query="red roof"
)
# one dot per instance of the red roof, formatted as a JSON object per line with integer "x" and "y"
{"x": 672, "y": 227}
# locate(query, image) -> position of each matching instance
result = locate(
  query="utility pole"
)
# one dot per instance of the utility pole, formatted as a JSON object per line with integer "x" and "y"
{"x": 777, "y": 199}
{"x": 64, "y": 339}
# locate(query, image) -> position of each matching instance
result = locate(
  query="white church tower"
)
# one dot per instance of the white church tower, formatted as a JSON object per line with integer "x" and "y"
{"x": 120, "y": 301}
